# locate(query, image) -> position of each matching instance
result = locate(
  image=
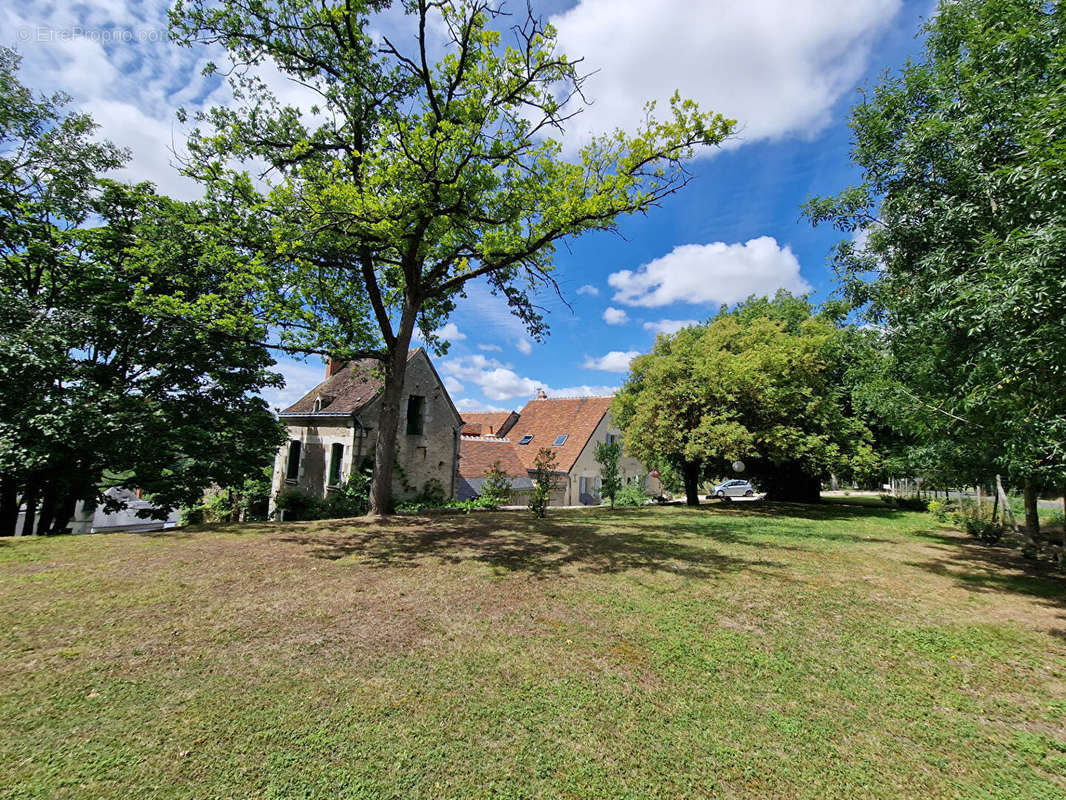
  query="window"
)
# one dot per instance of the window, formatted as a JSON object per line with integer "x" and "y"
{"x": 292, "y": 468}
{"x": 560, "y": 440}
{"x": 336, "y": 460}
{"x": 526, "y": 439}
{"x": 416, "y": 405}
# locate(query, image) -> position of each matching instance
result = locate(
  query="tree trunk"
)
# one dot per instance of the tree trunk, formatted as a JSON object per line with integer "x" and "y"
{"x": 690, "y": 474}
{"x": 29, "y": 497}
{"x": 64, "y": 514}
{"x": 1032, "y": 512}
{"x": 381, "y": 501}
{"x": 9, "y": 506}
{"x": 48, "y": 510}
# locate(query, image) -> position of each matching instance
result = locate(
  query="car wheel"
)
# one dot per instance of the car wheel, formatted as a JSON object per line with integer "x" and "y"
{"x": 720, "y": 494}
{"x": 749, "y": 493}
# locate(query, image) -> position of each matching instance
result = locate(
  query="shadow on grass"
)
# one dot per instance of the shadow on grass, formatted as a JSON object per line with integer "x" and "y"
{"x": 514, "y": 543}
{"x": 985, "y": 568}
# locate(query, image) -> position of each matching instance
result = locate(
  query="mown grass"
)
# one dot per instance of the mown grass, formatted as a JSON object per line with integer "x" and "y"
{"x": 786, "y": 651}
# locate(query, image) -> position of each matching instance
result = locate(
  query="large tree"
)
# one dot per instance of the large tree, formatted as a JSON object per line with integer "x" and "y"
{"x": 959, "y": 235}
{"x": 427, "y": 162}
{"x": 763, "y": 384}
{"x": 97, "y": 388}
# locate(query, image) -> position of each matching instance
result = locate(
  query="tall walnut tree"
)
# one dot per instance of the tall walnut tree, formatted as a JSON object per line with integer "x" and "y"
{"x": 428, "y": 162}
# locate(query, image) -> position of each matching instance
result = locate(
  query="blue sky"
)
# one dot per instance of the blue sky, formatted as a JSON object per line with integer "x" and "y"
{"x": 787, "y": 70}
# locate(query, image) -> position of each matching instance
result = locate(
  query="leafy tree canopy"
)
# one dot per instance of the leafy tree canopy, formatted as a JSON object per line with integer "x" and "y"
{"x": 95, "y": 391}
{"x": 959, "y": 234}
{"x": 762, "y": 383}
{"x": 425, "y": 164}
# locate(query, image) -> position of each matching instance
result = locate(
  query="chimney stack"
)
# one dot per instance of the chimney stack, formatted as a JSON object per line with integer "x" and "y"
{"x": 333, "y": 367}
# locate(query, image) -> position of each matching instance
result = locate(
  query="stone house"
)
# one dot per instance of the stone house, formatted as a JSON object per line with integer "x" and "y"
{"x": 333, "y": 428}
{"x": 570, "y": 427}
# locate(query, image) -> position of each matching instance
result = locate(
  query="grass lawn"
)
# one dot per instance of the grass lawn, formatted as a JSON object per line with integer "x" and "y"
{"x": 783, "y": 651}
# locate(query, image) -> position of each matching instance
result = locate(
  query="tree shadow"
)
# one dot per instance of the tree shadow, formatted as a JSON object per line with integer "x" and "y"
{"x": 513, "y": 543}
{"x": 983, "y": 569}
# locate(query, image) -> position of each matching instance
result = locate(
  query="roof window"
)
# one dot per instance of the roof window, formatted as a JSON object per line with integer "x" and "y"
{"x": 560, "y": 440}
{"x": 526, "y": 439}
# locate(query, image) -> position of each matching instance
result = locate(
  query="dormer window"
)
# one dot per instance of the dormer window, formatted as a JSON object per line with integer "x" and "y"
{"x": 526, "y": 439}
{"x": 318, "y": 405}
{"x": 560, "y": 440}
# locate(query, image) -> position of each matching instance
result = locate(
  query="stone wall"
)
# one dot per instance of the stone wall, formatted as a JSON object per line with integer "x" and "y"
{"x": 430, "y": 455}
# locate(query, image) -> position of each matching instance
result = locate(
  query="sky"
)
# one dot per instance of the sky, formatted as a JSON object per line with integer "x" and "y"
{"x": 786, "y": 70}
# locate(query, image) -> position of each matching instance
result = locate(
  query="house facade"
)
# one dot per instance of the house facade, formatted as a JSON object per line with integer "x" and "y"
{"x": 333, "y": 429}
{"x": 570, "y": 427}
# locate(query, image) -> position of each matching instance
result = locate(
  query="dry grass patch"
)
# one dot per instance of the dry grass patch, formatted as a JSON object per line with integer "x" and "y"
{"x": 780, "y": 651}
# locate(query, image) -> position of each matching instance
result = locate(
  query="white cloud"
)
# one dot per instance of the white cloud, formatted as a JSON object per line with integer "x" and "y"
{"x": 525, "y": 347}
{"x": 614, "y": 361}
{"x": 500, "y": 383}
{"x": 449, "y": 332}
{"x": 711, "y": 274}
{"x": 453, "y": 385}
{"x": 615, "y": 316}
{"x": 490, "y": 348}
{"x": 473, "y": 406}
{"x": 669, "y": 326}
{"x": 588, "y": 289}
{"x": 776, "y": 66}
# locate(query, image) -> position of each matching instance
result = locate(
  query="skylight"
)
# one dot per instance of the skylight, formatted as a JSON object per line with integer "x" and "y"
{"x": 560, "y": 440}
{"x": 526, "y": 439}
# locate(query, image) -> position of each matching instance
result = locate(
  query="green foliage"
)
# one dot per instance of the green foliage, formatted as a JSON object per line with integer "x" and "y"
{"x": 979, "y": 522}
{"x": 543, "y": 482}
{"x": 496, "y": 488}
{"x": 631, "y": 494}
{"x": 763, "y": 383}
{"x": 955, "y": 243}
{"x": 99, "y": 384}
{"x": 942, "y": 511}
{"x": 607, "y": 455}
{"x": 353, "y": 498}
{"x": 414, "y": 177}
{"x": 297, "y": 505}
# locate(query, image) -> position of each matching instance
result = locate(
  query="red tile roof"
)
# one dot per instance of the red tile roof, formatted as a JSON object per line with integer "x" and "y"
{"x": 488, "y": 423}
{"x": 476, "y": 455}
{"x": 545, "y": 419}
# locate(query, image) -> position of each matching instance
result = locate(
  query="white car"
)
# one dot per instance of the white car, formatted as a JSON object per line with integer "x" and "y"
{"x": 733, "y": 489}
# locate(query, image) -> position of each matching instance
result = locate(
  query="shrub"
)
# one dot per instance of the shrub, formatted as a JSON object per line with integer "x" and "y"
{"x": 942, "y": 511}
{"x": 888, "y": 499}
{"x": 978, "y": 522}
{"x": 496, "y": 488}
{"x": 607, "y": 455}
{"x": 543, "y": 480}
{"x": 630, "y": 495}
{"x": 298, "y": 505}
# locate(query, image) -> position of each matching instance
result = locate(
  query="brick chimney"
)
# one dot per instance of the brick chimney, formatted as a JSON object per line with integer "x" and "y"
{"x": 333, "y": 367}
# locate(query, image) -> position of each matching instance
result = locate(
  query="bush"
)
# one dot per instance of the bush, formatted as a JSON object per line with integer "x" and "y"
{"x": 888, "y": 499}
{"x": 298, "y": 505}
{"x": 630, "y": 495}
{"x": 543, "y": 481}
{"x": 942, "y": 511}
{"x": 978, "y": 522}
{"x": 496, "y": 488}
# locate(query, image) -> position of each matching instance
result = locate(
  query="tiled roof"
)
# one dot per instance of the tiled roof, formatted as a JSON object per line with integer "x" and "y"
{"x": 488, "y": 423}
{"x": 545, "y": 419}
{"x": 477, "y": 454}
{"x": 348, "y": 390}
